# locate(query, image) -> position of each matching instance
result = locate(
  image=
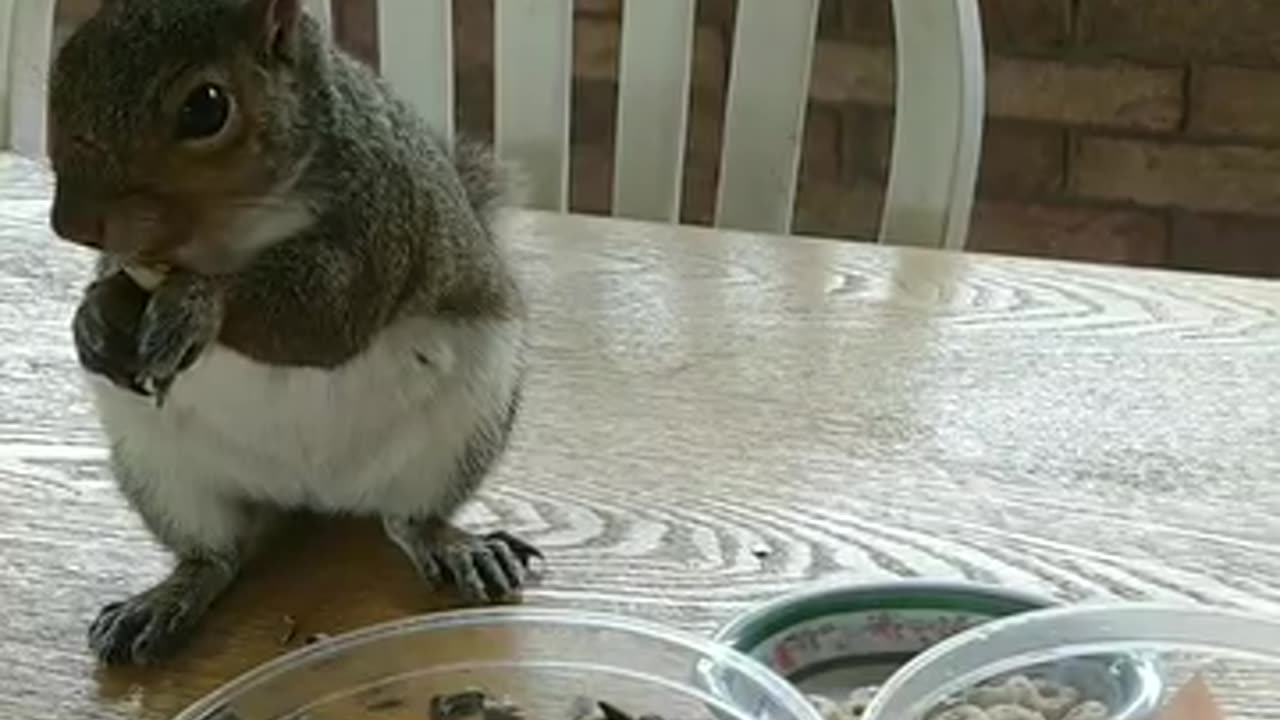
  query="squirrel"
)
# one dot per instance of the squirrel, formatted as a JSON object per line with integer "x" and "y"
{"x": 302, "y": 300}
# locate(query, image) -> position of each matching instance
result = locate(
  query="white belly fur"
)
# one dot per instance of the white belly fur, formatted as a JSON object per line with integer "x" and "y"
{"x": 381, "y": 434}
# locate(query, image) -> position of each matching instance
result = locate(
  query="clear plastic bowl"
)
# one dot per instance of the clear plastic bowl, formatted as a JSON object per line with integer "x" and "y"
{"x": 836, "y": 636}
{"x": 543, "y": 660}
{"x": 1237, "y": 653}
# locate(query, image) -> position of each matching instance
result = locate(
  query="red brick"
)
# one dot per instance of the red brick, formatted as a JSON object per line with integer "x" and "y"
{"x": 1103, "y": 94}
{"x": 74, "y": 12}
{"x": 869, "y": 21}
{"x": 591, "y": 183}
{"x": 820, "y": 158}
{"x": 355, "y": 27}
{"x": 594, "y": 108}
{"x": 698, "y": 194}
{"x": 1035, "y": 26}
{"x": 1020, "y": 160}
{"x": 1027, "y": 26}
{"x": 1234, "y": 101}
{"x": 838, "y": 210}
{"x": 1226, "y": 178}
{"x": 591, "y": 179}
{"x": 702, "y": 159}
{"x": 474, "y": 104}
{"x": 597, "y": 44}
{"x": 829, "y": 18}
{"x": 852, "y": 72}
{"x": 1226, "y": 244}
{"x": 1226, "y": 30}
{"x": 473, "y": 35}
{"x": 599, "y": 7}
{"x": 473, "y": 53}
{"x": 1075, "y": 233}
{"x": 710, "y": 59}
{"x": 68, "y": 16}
{"x": 867, "y": 142}
{"x": 1118, "y": 95}
{"x": 719, "y": 13}
{"x": 593, "y": 112}
{"x": 706, "y": 115}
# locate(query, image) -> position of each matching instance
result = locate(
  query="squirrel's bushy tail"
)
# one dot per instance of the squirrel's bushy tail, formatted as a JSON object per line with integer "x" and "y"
{"x": 490, "y": 185}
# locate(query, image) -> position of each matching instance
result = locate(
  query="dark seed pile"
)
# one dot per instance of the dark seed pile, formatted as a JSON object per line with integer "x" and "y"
{"x": 475, "y": 704}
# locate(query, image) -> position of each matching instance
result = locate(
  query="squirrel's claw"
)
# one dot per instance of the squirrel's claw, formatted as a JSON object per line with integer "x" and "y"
{"x": 180, "y": 321}
{"x": 150, "y": 626}
{"x": 105, "y": 331}
{"x": 481, "y": 569}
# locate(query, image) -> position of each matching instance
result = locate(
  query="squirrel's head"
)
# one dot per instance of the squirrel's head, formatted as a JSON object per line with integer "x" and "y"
{"x": 178, "y": 128}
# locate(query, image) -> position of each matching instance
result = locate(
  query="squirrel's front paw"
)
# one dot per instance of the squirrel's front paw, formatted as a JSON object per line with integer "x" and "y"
{"x": 180, "y": 322}
{"x": 105, "y": 329}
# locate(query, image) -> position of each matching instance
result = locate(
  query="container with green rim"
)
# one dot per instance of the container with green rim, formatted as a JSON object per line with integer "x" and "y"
{"x": 831, "y": 638}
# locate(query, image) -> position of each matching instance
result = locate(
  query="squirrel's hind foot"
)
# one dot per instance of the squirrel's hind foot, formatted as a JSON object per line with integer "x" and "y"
{"x": 484, "y": 569}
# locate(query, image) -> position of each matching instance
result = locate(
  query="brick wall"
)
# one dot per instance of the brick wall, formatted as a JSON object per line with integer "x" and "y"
{"x": 1133, "y": 131}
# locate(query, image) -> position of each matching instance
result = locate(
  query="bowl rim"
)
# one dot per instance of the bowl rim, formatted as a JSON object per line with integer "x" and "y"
{"x": 746, "y": 631}
{"x": 787, "y": 694}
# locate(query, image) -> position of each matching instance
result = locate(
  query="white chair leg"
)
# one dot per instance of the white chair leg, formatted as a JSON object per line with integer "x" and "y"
{"x": 416, "y": 45}
{"x": 653, "y": 108}
{"x": 764, "y": 120}
{"x": 937, "y": 140}
{"x": 26, "y": 40}
{"x": 533, "y": 41}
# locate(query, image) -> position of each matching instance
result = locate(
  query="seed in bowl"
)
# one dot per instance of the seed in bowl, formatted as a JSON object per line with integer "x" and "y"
{"x": 588, "y": 709}
{"x": 473, "y": 704}
{"x": 476, "y": 704}
{"x": 1017, "y": 698}
{"x": 1092, "y": 710}
{"x": 851, "y": 708}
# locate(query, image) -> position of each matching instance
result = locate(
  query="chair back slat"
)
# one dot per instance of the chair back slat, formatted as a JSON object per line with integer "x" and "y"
{"x": 653, "y": 108}
{"x": 415, "y": 39}
{"x": 938, "y": 125}
{"x": 533, "y": 46}
{"x": 26, "y": 39}
{"x": 765, "y": 113}
{"x": 937, "y": 138}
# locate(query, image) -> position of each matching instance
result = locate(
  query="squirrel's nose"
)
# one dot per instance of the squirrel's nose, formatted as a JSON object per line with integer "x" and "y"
{"x": 78, "y": 222}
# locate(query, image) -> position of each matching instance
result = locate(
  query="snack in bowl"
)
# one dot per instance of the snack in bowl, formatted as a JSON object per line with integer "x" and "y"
{"x": 1202, "y": 656}
{"x": 838, "y": 642}
{"x": 512, "y": 663}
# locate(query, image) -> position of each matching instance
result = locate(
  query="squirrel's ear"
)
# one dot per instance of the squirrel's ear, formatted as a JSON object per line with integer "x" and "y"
{"x": 276, "y": 23}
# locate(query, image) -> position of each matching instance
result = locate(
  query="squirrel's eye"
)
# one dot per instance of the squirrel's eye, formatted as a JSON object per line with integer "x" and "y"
{"x": 204, "y": 113}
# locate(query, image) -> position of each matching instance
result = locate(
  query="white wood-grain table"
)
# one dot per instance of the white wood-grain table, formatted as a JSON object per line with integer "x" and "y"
{"x": 713, "y": 418}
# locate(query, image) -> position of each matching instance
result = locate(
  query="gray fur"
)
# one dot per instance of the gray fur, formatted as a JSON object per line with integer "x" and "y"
{"x": 404, "y": 227}
{"x": 403, "y": 223}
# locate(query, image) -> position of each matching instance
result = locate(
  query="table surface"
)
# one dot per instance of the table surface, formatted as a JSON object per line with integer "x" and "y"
{"x": 699, "y": 397}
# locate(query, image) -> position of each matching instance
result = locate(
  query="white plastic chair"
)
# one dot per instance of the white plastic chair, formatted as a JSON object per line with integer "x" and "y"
{"x": 938, "y": 131}
{"x": 937, "y": 134}
{"x": 26, "y": 36}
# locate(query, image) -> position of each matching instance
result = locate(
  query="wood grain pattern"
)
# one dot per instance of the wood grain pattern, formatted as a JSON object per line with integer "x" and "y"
{"x": 699, "y": 396}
